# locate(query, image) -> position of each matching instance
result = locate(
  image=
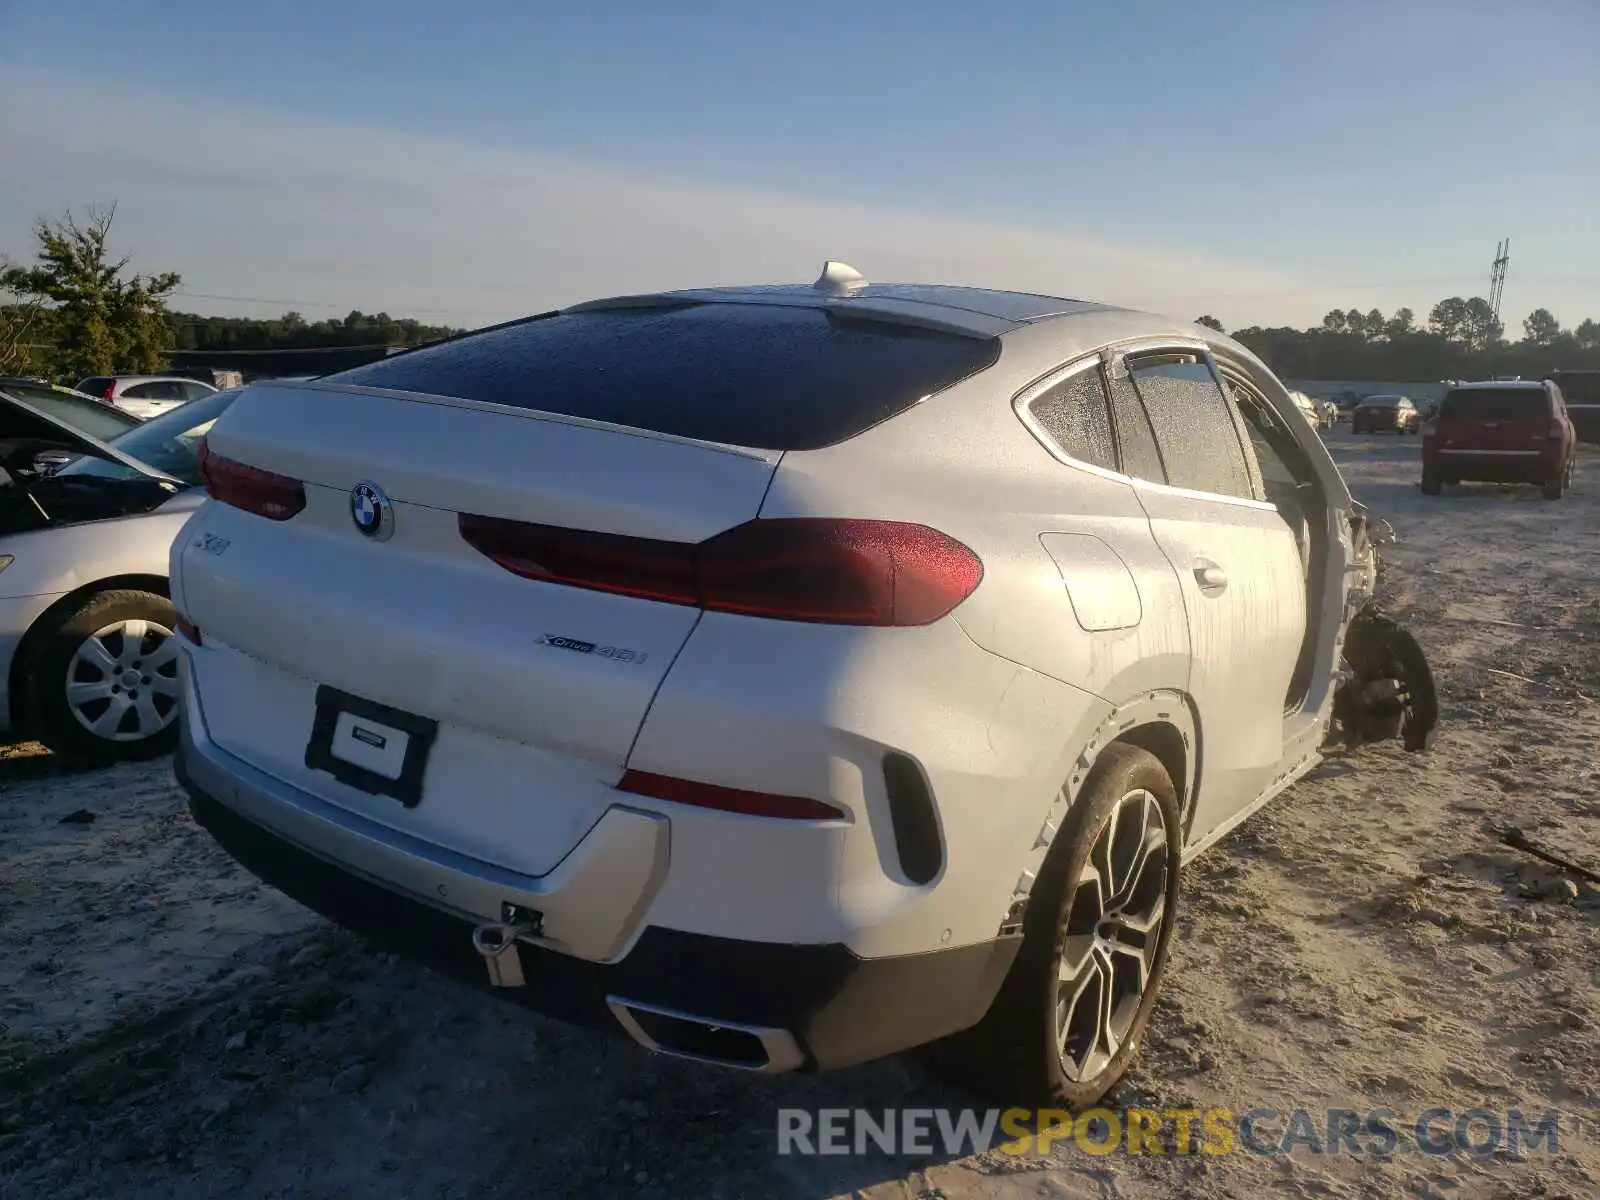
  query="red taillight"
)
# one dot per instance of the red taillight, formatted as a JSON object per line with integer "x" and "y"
{"x": 1556, "y": 432}
{"x": 265, "y": 493}
{"x": 835, "y": 571}
{"x": 111, "y": 391}
{"x": 188, "y": 629}
{"x": 726, "y": 799}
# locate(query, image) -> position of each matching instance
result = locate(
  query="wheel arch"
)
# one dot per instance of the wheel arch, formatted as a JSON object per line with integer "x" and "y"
{"x": 20, "y": 696}
{"x": 1162, "y": 722}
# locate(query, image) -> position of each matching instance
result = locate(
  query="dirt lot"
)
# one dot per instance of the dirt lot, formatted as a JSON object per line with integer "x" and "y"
{"x": 167, "y": 1028}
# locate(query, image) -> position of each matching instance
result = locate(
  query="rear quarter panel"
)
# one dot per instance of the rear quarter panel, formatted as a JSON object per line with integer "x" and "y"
{"x": 963, "y": 462}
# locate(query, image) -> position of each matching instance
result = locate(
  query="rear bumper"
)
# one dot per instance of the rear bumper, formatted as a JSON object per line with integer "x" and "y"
{"x": 593, "y": 903}
{"x": 1503, "y": 466}
{"x": 831, "y": 1007}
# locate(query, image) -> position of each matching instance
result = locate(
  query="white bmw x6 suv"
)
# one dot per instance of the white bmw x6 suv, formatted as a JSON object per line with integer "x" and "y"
{"x": 784, "y": 676}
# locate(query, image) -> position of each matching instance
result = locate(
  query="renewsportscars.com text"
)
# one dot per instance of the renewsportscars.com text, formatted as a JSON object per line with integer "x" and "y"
{"x": 1361, "y": 1133}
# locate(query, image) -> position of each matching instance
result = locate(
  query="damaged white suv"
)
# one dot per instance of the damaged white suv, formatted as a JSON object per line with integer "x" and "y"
{"x": 784, "y": 676}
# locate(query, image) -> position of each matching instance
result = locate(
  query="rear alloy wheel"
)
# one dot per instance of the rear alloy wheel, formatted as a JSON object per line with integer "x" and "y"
{"x": 1099, "y": 924}
{"x": 104, "y": 681}
{"x": 1431, "y": 483}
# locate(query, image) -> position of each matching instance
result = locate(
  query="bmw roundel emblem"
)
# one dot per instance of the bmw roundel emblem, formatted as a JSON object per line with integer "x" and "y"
{"x": 371, "y": 510}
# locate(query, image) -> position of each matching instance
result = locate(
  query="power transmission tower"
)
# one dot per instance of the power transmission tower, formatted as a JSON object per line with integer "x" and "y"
{"x": 1497, "y": 276}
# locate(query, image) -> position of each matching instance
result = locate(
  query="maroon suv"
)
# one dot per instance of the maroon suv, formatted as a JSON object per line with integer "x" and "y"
{"x": 1500, "y": 433}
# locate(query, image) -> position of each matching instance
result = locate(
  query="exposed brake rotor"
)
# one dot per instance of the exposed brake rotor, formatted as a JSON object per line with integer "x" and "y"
{"x": 1389, "y": 691}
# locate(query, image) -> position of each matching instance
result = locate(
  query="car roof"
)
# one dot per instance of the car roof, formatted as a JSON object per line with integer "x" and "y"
{"x": 976, "y": 311}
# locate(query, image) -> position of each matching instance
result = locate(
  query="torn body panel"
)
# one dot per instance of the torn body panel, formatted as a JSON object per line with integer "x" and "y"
{"x": 1387, "y": 689}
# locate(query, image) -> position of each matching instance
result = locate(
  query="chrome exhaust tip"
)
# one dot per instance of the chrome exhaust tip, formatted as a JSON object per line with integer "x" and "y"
{"x": 756, "y": 1048}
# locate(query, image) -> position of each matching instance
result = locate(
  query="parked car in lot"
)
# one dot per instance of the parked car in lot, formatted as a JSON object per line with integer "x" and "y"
{"x": 87, "y": 660}
{"x": 783, "y": 677}
{"x": 1501, "y": 433}
{"x": 145, "y": 395}
{"x": 81, "y": 412}
{"x": 1381, "y": 414}
{"x": 1309, "y": 409}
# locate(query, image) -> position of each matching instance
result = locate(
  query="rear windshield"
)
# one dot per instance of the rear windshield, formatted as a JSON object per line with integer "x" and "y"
{"x": 97, "y": 419}
{"x": 1491, "y": 404}
{"x": 763, "y": 376}
{"x": 1381, "y": 402}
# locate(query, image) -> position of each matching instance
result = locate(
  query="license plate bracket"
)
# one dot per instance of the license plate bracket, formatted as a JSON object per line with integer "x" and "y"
{"x": 369, "y": 729}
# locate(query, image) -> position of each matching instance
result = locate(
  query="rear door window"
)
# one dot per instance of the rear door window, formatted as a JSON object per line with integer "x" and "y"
{"x": 765, "y": 376}
{"x": 1136, "y": 441}
{"x": 1193, "y": 421}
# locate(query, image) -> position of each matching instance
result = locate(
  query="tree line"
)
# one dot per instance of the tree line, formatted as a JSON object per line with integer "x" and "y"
{"x": 1460, "y": 340}
{"x": 77, "y": 310}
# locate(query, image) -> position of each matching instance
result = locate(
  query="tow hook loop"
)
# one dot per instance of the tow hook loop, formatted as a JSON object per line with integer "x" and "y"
{"x": 496, "y": 941}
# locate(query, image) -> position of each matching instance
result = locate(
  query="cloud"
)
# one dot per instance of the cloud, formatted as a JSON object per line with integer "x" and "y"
{"x": 302, "y": 211}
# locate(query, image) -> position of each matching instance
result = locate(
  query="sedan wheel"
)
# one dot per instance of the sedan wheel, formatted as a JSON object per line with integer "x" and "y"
{"x": 102, "y": 678}
{"x": 122, "y": 683}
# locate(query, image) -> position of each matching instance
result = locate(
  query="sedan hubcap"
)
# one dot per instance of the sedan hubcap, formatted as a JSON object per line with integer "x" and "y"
{"x": 122, "y": 684}
{"x": 1113, "y": 927}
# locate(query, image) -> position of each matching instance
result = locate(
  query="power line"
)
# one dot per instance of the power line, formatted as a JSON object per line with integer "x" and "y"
{"x": 296, "y": 304}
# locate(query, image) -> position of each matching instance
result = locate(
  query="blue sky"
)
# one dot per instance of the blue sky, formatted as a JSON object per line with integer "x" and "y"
{"x": 1263, "y": 161}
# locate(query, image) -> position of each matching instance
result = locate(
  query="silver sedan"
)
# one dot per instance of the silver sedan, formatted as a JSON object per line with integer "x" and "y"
{"x": 87, "y": 661}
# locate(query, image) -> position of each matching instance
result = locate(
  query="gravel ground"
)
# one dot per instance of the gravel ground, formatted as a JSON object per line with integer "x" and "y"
{"x": 168, "y": 1028}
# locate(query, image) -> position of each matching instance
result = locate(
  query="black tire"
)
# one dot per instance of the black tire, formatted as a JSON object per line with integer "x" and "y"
{"x": 1012, "y": 1055}
{"x": 52, "y": 718}
{"x": 1556, "y": 487}
{"x": 1431, "y": 483}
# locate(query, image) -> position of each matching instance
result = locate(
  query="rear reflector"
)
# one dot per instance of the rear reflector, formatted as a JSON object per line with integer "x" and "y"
{"x": 188, "y": 629}
{"x": 835, "y": 571}
{"x": 725, "y": 799}
{"x": 265, "y": 493}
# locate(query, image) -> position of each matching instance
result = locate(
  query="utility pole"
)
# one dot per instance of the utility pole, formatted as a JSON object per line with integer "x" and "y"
{"x": 1497, "y": 276}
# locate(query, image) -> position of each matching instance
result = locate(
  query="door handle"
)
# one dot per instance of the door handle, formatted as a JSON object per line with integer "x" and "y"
{"x": 1209, "y": 576}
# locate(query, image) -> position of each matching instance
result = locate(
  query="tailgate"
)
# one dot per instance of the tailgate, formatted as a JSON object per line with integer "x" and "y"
{"x": 538, "y": 689}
